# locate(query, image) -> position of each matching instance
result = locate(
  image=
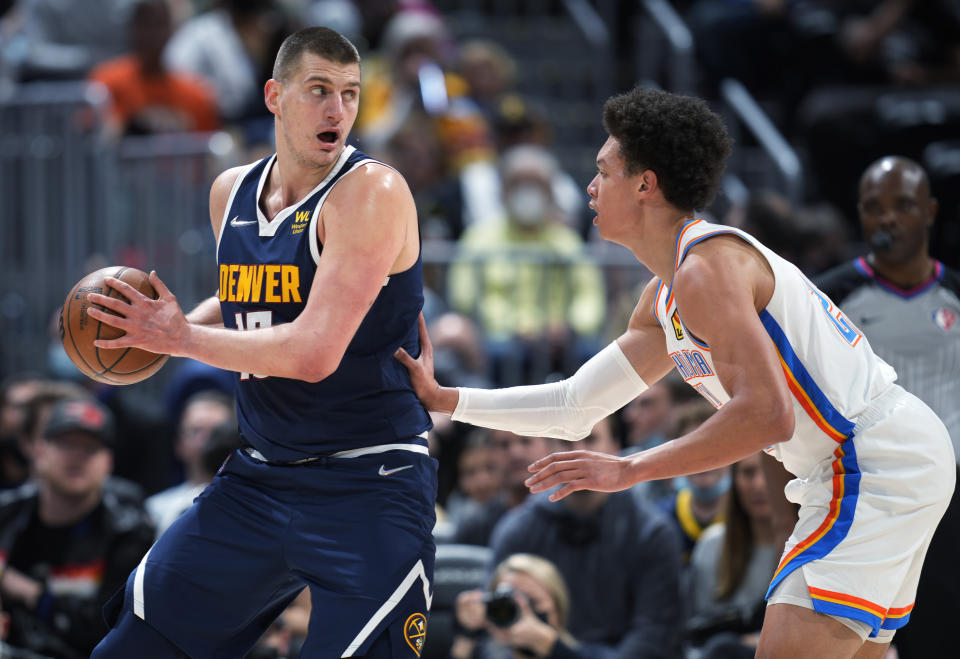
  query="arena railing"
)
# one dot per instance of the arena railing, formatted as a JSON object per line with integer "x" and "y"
{"x": 668, "y": 60}
{"x": 72, "y": 200}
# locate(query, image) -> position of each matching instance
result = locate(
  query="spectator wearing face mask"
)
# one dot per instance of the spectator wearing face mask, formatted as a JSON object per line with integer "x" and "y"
{"x": 537, "y": 297}
{"x": 699, "y": 502}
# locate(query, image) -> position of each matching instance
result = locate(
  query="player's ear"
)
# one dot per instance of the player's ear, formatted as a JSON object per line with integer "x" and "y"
{"x": 271, "y": 95}
{"x": 646, "y": 182}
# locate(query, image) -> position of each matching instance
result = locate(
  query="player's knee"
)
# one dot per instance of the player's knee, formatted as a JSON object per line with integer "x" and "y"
{"x": 132, "y": 637}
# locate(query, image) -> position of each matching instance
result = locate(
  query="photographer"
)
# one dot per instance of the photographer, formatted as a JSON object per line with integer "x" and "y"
{"x": 523, "y": 616}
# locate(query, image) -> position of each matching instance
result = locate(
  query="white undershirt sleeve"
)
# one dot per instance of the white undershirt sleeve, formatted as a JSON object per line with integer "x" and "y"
{"x": 565, "y": 410}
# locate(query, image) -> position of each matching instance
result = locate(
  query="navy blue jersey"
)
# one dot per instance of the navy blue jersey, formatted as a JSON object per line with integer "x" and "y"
{"x": 266, "y": 271}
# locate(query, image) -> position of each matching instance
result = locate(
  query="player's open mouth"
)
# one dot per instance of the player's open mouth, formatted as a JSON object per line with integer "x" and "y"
{"x": 328, "y": 137}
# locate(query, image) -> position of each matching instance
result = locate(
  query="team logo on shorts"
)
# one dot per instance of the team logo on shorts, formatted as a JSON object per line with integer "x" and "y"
{"x": 415, "y": 631}
{"x": 945, "y": 318}
{"x": 677, "y": 327}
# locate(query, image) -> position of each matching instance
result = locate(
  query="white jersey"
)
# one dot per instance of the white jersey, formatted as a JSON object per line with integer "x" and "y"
{"x": 828, "y": 364}
{"x": 874, "y": 465}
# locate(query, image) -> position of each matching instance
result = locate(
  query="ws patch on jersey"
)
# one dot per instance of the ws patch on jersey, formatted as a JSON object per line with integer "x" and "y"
{"x": 945, "y": 318}
{"x": 300, "y": 222}
{"x": 415, "y": 631}
{"x": 677, "y": 327}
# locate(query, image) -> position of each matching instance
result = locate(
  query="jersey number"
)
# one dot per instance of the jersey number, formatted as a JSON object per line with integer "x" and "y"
{"x": 850, "y": 333}
{"x": 254, "y": 319}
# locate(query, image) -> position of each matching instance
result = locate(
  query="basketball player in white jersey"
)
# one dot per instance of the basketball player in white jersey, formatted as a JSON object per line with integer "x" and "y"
{"x": 788, "y": 371}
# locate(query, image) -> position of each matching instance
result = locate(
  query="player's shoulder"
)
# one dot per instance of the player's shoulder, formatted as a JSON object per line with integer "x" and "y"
{"x": 220, "y": 191}
{"x": 712, "y": 261}
{"x": 371, "y": 180}
{"x": 722, "y": 248}
{"x": 225, "y": 181}
{"x": 372, "y": 172}
{"x": 841, "y": 281}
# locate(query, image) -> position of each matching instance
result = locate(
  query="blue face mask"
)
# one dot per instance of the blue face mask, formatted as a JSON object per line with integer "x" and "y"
{"x": 710, "y": 493}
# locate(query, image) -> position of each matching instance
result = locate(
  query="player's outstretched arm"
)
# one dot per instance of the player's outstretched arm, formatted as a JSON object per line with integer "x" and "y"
{"x": 565, "y": 410}
{"x": 367, "y": 220}
{"x": 719, "y": 289}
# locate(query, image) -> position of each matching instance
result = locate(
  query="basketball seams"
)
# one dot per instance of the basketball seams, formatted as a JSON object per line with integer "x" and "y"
{"x": 110, "y": 293}
{"x": 85, "y": 363}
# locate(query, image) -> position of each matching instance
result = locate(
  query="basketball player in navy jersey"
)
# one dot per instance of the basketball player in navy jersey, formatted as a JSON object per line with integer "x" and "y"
{"x": 789, "y": 372}
{"x": 320, "y": 282}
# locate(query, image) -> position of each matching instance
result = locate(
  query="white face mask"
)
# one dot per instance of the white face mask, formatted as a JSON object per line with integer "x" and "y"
{"x": 527, "y": 204}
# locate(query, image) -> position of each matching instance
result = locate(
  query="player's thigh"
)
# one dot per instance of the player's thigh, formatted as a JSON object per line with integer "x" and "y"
{"x": 795, "y": 632}
{"x": 218, "y": 572}
{"x": 871, "y": 650}
{"x": 370, "y": 582}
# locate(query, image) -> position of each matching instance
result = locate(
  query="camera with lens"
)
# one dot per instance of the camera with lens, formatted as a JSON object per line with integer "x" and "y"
{"x": 502, "y": 608}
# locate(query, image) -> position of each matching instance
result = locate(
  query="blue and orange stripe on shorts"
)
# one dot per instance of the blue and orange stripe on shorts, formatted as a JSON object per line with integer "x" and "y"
{"x": 843, "y": 503}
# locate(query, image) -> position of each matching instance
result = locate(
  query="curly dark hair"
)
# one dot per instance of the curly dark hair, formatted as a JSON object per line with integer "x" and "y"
{"x": 678, "y": 137}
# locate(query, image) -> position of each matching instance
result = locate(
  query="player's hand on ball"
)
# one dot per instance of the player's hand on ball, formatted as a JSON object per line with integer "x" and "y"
{"x": 579, "y": 470}
{"x": 434, "y": 397}
{"x": 155, "y": 325}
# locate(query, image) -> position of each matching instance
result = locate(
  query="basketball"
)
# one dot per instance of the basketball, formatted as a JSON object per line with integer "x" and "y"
{"x": 78, "y": 331}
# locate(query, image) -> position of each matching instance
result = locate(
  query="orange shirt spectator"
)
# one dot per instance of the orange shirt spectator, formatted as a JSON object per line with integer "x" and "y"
{"x": 159, "y": 102}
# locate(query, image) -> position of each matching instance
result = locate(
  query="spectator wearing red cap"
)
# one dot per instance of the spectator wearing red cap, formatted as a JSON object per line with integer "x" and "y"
{"x": 67, "y": 542}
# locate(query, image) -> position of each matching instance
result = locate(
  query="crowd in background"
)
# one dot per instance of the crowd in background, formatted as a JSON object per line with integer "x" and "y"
{"x": 92, "y": 473}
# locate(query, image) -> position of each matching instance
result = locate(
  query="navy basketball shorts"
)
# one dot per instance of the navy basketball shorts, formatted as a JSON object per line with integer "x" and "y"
{"x": 357, "y": 530}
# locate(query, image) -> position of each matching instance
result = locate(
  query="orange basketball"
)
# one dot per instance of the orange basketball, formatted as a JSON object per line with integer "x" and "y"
{"x": 78, "y": 331}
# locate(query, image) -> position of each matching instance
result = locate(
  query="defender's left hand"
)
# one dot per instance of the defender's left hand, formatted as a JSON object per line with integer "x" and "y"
{"x": 579, "y": 470}
{"x": 155, "y": 325}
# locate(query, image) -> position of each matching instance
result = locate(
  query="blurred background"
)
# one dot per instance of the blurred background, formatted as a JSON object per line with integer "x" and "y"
{"x": 102, "y": 162}
{"x": 116, "y": 115}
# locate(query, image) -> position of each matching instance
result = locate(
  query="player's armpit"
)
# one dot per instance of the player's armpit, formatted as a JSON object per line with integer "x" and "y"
{"x": 643, "y": 343}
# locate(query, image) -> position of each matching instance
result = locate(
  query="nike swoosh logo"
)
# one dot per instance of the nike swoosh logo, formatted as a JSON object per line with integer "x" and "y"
{"x": 386, "y": 472}
{"x": 237, "y": 222}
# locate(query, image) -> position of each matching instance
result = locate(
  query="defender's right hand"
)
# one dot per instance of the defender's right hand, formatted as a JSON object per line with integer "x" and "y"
{"x": 434, "y": 397}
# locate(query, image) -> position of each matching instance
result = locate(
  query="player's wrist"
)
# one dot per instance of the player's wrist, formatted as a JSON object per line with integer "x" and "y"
{"x": 634, "y": 469}
{"x": 446, "y": 400}
{"x": 186, "y": 342}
